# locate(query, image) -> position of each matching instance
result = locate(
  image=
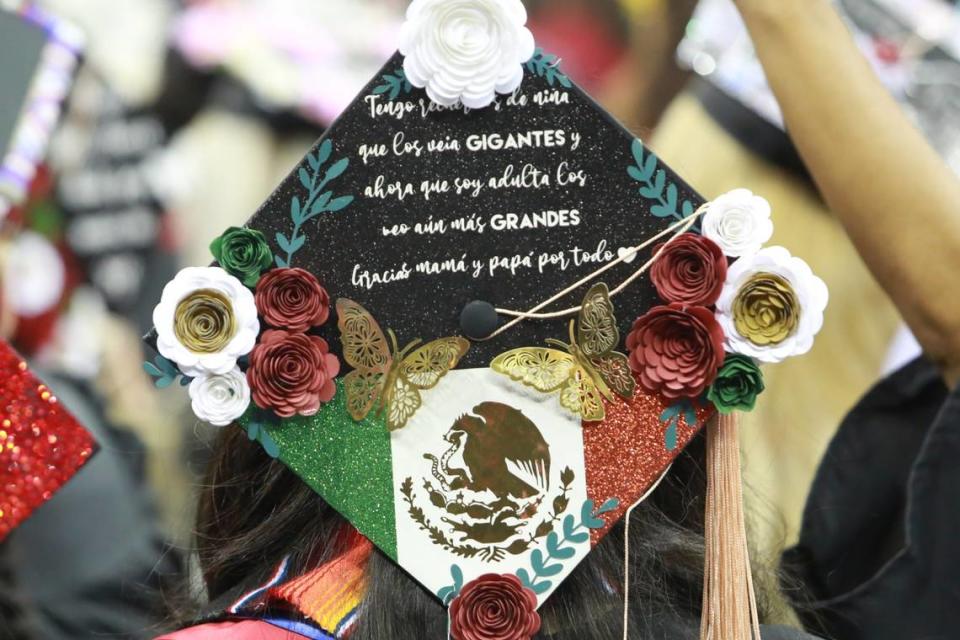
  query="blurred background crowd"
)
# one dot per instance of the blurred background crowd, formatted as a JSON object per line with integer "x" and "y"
{"x": 185, "y": 115}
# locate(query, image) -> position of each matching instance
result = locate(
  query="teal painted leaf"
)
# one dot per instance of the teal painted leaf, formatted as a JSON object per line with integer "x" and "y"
{"x": 297, "y": 244}
{"x": 152, "y": 369}
{"x": 253, "y": 431}
{"x": 283, "y": 243}
{"x": 313, "y": 162}
{"x": 587, "y": 517}
{"x": 163, "y": 383}
{"x": 295, "y": 210}
{"x": 670, "y": 437}
{"x": 541, "y": 587}
{"x": 650, "y": 166}
{"x": 568, "y": 526}
{"x": 323, "y": 153}
{"x": 383, "y": 88}
{"x": 305, "y": 179}
{"x": 167, "y": 366}
{"x": 445, "y": 595}
{"x": 688, "y": 209}
{"x": 524, "y": 576}
{"x": 457, "y": 574}
{"x": 608, "y": 506}
{"x": 536, "y": 561}
{"x": 551, "y": 570}
{"x": 340, "y": 203}
{"x": 185, "y": 381}
{"x": 320, "y": 203}
{"x": 565, "y": 81}
{"x": 639, "y": 152}
{"x": 637, "y": 174}
{"x": 650, "y": 192}
{"x": 337, "y": 168}
{"x": 281, "y": 262}
{"x": 670, "y": 413}
{"x": 269, "y": 444}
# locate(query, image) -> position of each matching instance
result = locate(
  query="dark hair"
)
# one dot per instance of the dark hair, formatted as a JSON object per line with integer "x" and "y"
{"x": 253, "y": 511}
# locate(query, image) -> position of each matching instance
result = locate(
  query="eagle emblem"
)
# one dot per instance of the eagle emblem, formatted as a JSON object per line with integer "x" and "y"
{"x": 487, "y": 488}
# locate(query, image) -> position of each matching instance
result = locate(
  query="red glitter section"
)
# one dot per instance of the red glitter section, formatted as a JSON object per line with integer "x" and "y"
{"x": 41, "y": 444}
{"x": 626, "y": 453}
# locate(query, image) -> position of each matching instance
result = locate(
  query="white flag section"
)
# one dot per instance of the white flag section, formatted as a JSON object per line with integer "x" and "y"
{"x": 483, "y": 473}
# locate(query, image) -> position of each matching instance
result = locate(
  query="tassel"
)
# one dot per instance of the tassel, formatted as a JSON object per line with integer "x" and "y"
{"x": 729, "y": 599}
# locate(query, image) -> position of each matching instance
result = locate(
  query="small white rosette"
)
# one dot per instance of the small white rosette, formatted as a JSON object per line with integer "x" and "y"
{"x": 218, "y": 399}
{"x": 466, "y": 51}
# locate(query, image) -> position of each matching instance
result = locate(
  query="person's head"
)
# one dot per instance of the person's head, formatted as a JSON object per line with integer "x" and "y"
{"x": 253, "y": 511}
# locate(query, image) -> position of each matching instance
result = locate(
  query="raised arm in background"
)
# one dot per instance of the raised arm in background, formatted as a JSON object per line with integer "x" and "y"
{"x": 897, "y": 199}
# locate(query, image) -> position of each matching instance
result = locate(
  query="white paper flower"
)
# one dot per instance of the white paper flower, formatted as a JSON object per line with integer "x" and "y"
{"x": 206, "y": 319}
{"x": 772, "y": 305}
{"x": 466, "y": 50}
{"x": 220, "y": 399}
{"x": 739, "y": 222}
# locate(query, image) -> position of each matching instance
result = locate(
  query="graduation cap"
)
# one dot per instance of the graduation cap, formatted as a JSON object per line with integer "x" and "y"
{"x": 42, "y": 445}
{"x": 39, "y": 56}
{"x": 480, "y": 319}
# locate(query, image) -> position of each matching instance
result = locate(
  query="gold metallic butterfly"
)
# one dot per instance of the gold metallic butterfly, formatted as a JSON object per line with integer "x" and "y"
{"x": 385, "y": 375}
{"x": 587, "y": 370}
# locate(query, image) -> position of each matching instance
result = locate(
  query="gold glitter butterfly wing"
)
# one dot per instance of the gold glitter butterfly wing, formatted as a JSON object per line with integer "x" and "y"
{"x": 543, "y": 369}
{"x": 363, "y": 389}
{"x": 614, "y": 368}
{"x": 597, "y": 332}
{"x": 365, "y": 348}
{"x": 427, "y": 365}
{"x": 582, "y": 397}
{"x": 401, "y": 400}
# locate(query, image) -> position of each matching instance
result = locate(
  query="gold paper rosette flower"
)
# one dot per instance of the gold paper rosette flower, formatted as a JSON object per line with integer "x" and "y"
{"x": 772, "y": 305}
{"x": 206, "y": 319}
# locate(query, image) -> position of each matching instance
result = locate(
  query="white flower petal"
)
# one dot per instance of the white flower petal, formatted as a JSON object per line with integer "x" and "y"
{"x": 466, "y": 51}
{"x": 220, "y": 399}
{"x": 244, "y": 311}
{"x": 812, "y": 297}
{"x": 739, "y": 222}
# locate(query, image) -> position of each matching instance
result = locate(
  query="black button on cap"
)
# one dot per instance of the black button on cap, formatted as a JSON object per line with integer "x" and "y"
{"x": 478, "y": 320}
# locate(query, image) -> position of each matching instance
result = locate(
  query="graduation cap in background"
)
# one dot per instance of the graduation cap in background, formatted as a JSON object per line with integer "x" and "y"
{"x": 481, "y": 321}
{"x": 40, "y": 55}
{"x": 42, "y": 445}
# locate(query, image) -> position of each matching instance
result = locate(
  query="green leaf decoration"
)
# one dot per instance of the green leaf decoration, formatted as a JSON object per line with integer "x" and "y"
{"x": 685, "y": 408}
{"x": 165, "y": 373}
{"x": 394, "y": 85}
{"x": 269, "y": 444}
{"x": 253, "y": 431}
{"x": 559, "y": 550}
{"x": 319, "y": 200}
{"x": 654, "y": 185}
{"x": 447, "y": 594}
{"x": 547, "y": 66}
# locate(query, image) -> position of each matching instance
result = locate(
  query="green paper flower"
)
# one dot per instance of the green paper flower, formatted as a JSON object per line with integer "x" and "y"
{"x": 243, "y": 253}
{"x": 737, "y": 385}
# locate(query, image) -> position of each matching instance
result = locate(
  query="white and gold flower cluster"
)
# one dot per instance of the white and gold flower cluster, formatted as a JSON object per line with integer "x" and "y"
{"x": 772, "y": 304}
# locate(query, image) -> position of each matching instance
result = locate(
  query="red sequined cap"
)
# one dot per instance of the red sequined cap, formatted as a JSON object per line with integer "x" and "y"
{"x": 41, "y": 445}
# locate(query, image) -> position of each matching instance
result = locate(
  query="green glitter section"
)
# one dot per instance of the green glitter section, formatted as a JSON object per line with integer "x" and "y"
{"x": 348, "y": 463}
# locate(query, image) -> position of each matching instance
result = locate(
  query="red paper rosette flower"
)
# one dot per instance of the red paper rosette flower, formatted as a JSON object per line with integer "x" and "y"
{"x": 292, "y": 373}
{"x": 292, "y": 299}
{"x": 676, "y": 350}
{"x": 691, "y": 270}
{"x": 494, "y": 607}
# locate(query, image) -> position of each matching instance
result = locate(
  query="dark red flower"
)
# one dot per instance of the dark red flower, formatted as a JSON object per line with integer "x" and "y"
{"x": 292, "y": 299}
{"x": 494, "y": 607}
{"x": 691, "y": 270}
{"x": 676, "y": 350}
{"x": 292, "y": 373}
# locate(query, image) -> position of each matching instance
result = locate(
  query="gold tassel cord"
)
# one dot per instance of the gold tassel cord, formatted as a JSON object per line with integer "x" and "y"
{"x": 729, "y": 599}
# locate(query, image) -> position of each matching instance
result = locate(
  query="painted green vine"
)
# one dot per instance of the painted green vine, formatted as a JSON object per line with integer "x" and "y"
{"x": 394, "y": 85}
{"x": 654, "y": 185}
{"x": 314, "y": 179}
{"x": 164, "y": 373}
{"x": 544, "y": 567}
{"x": 547, "y": 65}
{"x": 686, "y": 409}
